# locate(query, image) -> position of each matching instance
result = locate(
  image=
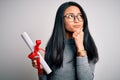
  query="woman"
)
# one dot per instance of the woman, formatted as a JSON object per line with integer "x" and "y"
{"x": 71, "y": 52}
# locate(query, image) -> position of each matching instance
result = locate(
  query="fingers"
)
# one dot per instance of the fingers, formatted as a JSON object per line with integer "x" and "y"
{"x": 78, "y": 38}
{"x": 77, "y": 34}
{"x": 34, "y": 62}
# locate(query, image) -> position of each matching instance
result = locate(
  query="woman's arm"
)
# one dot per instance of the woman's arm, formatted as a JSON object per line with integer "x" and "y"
{"x": 85, "y": 70}
{"x": 42, "y": 75}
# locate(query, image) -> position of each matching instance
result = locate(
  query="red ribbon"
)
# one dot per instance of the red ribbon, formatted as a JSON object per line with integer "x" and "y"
{"x": 35, "y": 54}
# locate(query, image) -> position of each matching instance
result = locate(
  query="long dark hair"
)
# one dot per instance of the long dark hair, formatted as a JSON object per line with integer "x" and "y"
{"x": 55, "y": 45}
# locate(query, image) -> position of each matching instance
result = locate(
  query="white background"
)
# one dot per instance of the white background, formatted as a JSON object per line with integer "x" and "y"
{"x": 36, "y": 17}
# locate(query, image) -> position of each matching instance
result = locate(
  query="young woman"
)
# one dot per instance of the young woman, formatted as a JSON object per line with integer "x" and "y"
{"x": 71, "y": 52}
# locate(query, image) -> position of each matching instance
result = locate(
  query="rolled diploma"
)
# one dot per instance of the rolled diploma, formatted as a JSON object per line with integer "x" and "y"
{"x": 31, "y": 45}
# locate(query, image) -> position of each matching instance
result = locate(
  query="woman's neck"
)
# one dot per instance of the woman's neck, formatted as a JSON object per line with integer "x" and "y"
{"x": 69, "y": 35}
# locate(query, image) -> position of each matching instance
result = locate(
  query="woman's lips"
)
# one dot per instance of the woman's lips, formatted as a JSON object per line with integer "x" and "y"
{"x": 76, "y": 26}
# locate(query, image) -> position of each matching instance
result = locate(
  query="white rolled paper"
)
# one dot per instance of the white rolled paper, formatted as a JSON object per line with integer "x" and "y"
{"x": 31, "y": 45}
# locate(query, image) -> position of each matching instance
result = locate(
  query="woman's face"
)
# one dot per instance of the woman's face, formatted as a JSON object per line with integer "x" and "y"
{"x": 73, "y": 19}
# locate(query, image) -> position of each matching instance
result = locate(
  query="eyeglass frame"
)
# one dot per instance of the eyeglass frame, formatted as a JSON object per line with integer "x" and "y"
{"x": 74, "y": 17}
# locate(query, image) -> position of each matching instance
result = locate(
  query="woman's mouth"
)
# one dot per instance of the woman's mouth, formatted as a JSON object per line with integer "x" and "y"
{"x": 76, "y": 26}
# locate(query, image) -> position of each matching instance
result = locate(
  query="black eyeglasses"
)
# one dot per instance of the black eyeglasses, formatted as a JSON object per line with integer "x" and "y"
{"x": 71, "y": 17}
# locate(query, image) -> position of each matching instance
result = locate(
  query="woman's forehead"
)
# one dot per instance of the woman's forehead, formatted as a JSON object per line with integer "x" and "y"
{"x": 72, "y": 9}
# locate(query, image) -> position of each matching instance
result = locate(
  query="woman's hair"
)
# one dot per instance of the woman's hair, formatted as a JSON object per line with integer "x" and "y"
{"x": 55, "y": 45}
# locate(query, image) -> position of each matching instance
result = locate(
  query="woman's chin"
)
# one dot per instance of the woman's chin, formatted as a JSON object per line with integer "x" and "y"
{"x": 76, "y": 30}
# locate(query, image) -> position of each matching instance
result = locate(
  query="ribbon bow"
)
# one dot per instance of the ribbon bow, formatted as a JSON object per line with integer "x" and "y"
{"x": 35, "y": 54}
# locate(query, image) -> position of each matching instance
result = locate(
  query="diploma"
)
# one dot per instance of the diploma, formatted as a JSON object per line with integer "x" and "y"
{"x": 31, "y": 45}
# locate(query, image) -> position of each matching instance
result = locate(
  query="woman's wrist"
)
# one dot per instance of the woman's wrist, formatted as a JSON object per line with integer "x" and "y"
{"x": 81, "y": 53}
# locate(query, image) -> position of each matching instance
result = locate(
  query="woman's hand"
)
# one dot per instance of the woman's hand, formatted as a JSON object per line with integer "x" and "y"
{"x": 34, "y": 62}
{"x": 78, "y": 37}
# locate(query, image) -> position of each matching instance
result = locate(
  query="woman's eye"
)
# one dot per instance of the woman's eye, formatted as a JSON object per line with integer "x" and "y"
{"x": 79, "y": 16}
{"x": 70, "y": 16}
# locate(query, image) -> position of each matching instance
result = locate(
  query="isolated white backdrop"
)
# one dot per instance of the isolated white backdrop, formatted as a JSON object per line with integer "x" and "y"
{"x": 36, "y": 17}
